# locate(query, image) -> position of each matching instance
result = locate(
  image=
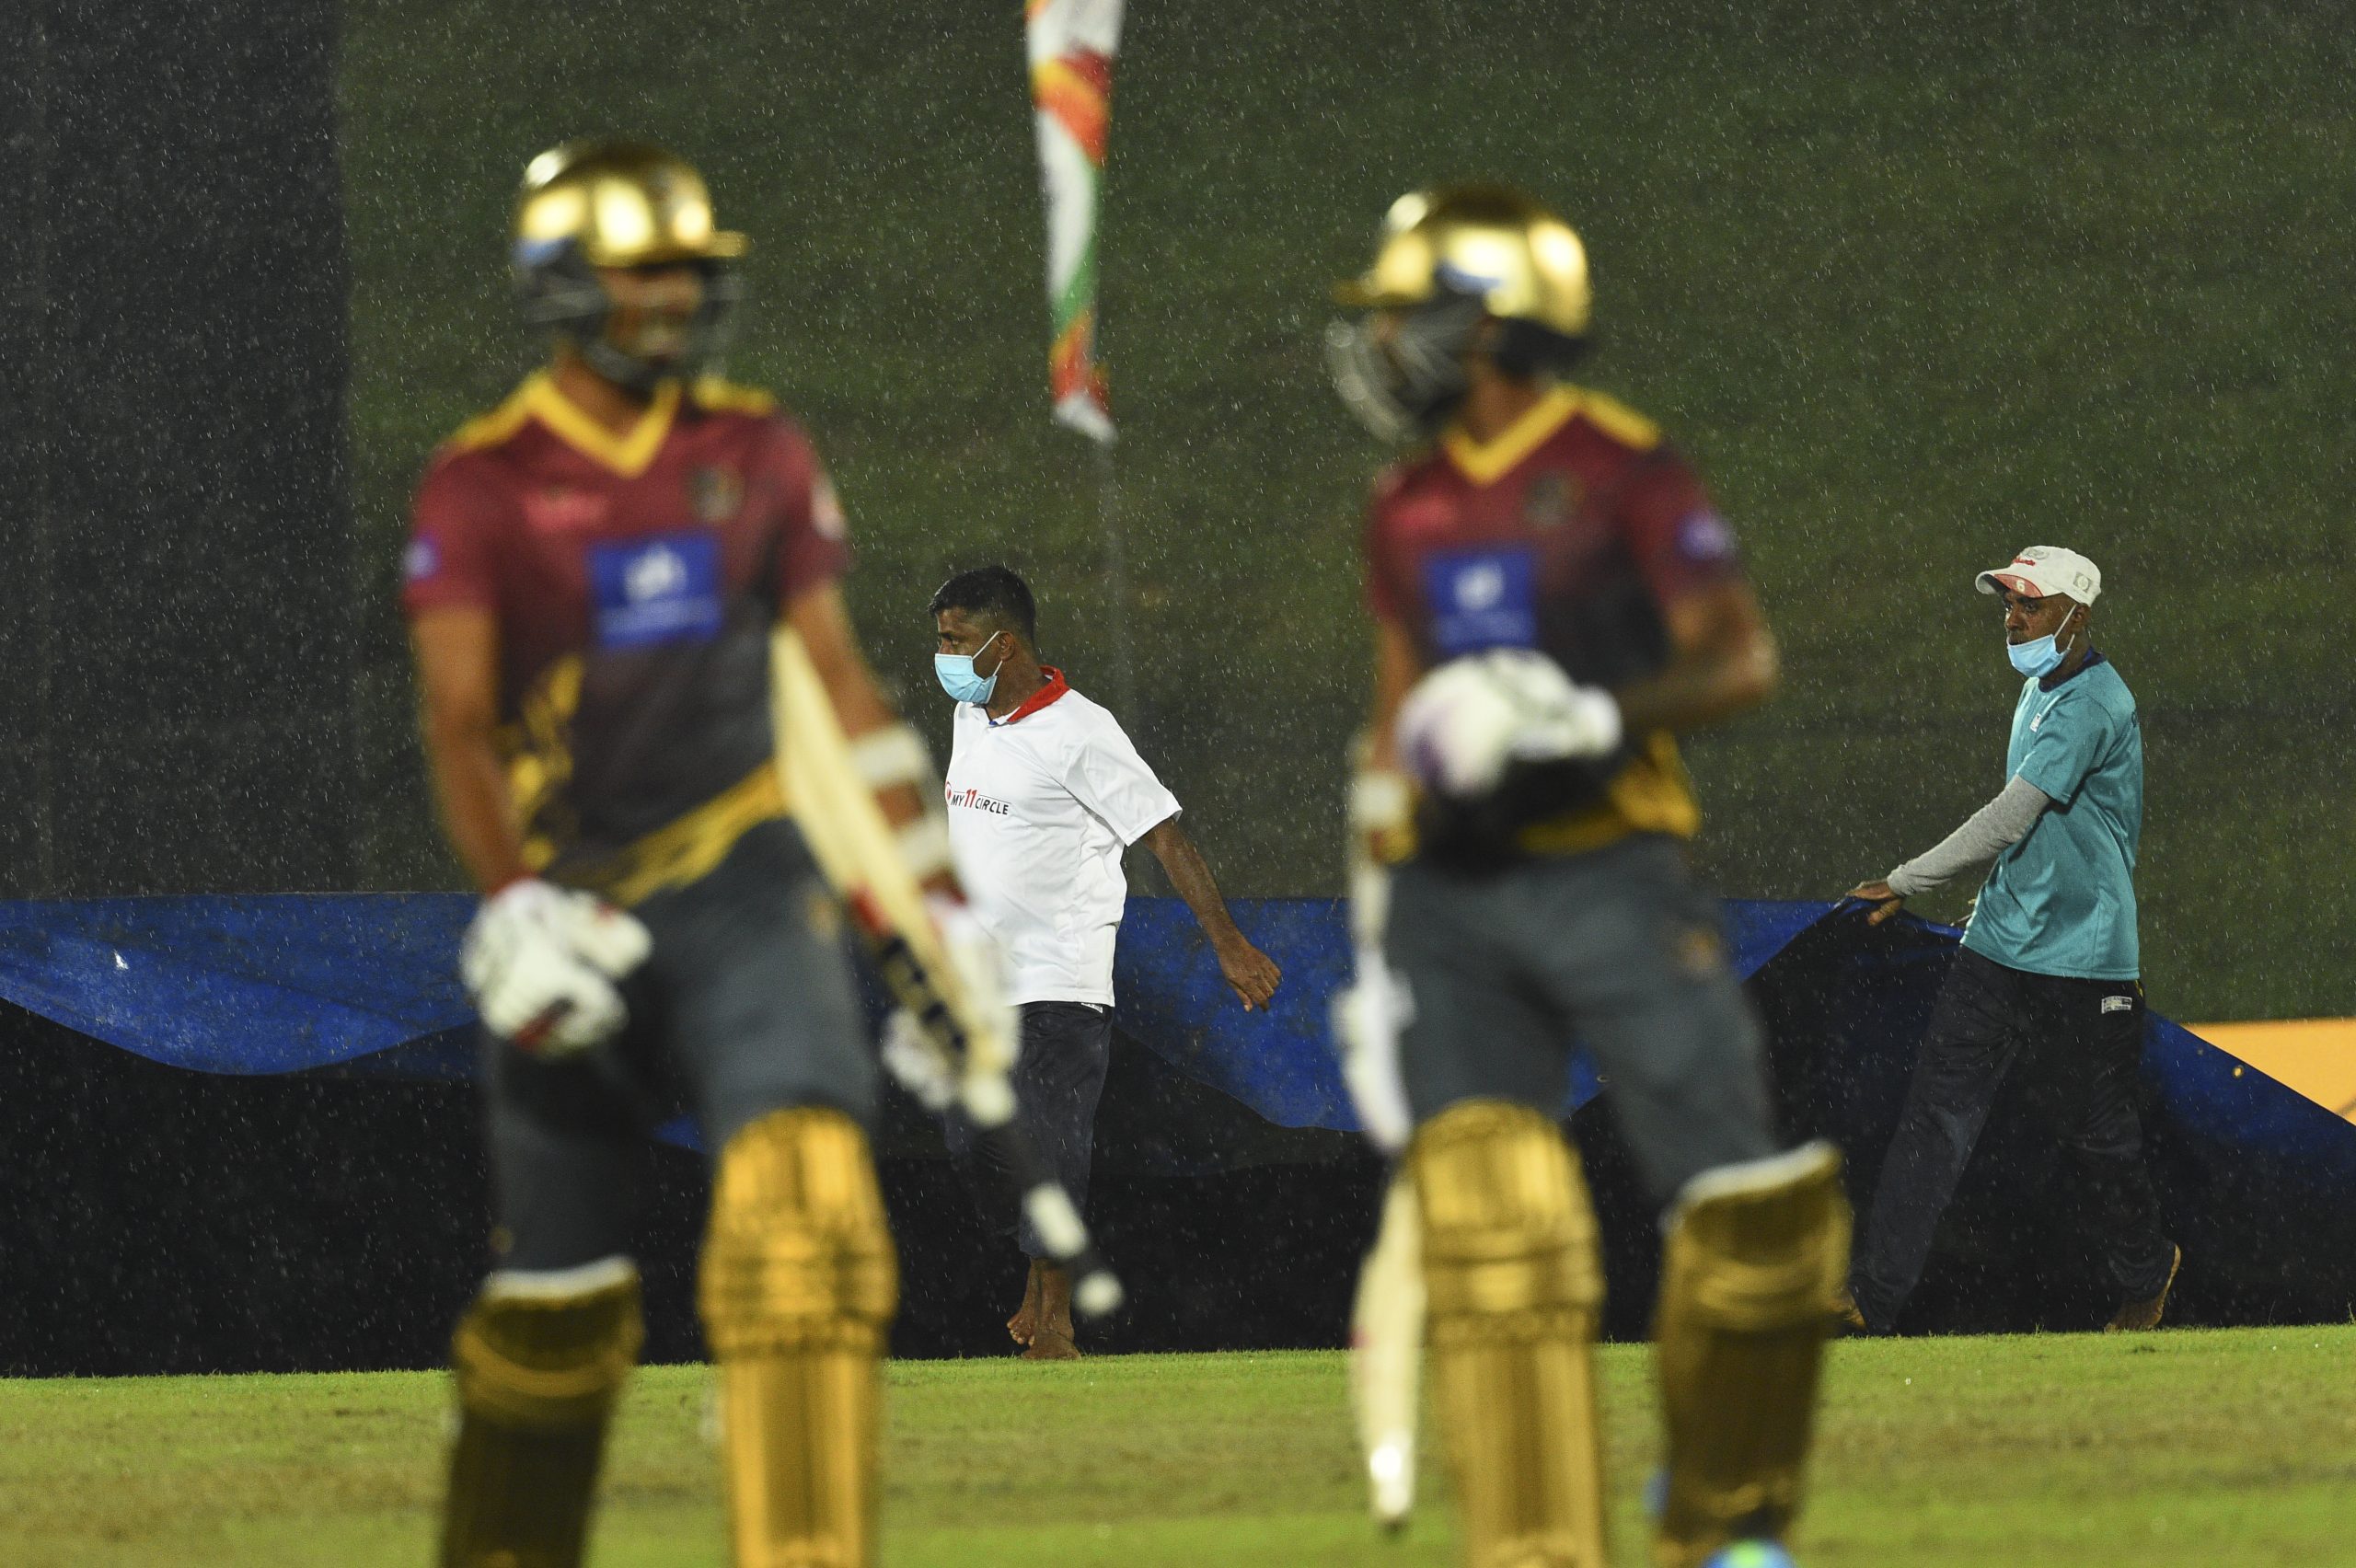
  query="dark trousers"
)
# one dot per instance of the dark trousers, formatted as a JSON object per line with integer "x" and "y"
{"x": 1058, "y": 1077}
{"x": 2082, "y": 1040}
{"x": 1619, "y": 947}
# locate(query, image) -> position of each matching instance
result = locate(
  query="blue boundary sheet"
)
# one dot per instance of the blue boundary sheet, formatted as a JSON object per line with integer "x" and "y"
{"x": 275, "y": 984}
{"x": 291, "y": 983}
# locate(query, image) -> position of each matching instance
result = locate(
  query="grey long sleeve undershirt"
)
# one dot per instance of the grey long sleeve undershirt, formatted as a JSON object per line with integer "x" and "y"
{"x": 1986, "y": 834}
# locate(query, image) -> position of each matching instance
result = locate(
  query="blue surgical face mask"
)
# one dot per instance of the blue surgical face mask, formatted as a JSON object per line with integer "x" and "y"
{"x": 955, "y": 672}
{"x": 2037, "y": 657}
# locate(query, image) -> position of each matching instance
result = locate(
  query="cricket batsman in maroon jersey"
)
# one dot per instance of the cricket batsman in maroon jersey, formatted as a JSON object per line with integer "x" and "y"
{"x": 1555, "y": 598}
{"x": 596, "y": 570}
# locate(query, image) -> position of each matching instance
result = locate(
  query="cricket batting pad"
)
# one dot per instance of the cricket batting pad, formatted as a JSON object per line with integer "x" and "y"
{"x": 539, "y": 1359}
{"x": 1514, "y": 1286}
{"x": 798, "y": 1287}
{"x": 1755, "y": 1256}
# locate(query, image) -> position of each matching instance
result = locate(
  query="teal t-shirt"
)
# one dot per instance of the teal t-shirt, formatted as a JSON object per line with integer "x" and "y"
{"x": 2063, "y": 900}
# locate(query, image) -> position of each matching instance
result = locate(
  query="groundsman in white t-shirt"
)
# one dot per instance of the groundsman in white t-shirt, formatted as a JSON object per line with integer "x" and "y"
{"x": 1044, "y": 791}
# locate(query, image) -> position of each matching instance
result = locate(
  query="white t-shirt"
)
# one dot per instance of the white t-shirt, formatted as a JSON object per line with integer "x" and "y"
{"x": 1041, "y": 804}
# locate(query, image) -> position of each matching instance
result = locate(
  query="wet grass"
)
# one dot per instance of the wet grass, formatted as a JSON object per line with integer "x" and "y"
{"x": 2053, "y": 1451}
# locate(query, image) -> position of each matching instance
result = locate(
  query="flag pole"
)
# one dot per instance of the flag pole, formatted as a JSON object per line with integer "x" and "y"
{"x": 1114, "y": 550}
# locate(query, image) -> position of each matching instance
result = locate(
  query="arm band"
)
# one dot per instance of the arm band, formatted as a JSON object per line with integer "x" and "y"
{"x": 1380, "y": 799}
{"x": 1987, "y": 833}
{"x": 1382, "y": 814}
{"x": 893, "y": 755}
{"x": 1382, "y": 834}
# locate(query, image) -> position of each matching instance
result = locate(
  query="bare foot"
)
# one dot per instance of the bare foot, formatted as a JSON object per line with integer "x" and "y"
{"x": 1051, "y": 1345}
{"x": 1025, "y": 1325}
{"x": 1052, "y": 1338}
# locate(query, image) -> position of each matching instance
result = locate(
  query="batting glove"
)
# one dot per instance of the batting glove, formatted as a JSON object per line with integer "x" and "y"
{"x": 541, "y": 962}
{"x": 1467, "y": 721}
{"x": 914, "y": 1060}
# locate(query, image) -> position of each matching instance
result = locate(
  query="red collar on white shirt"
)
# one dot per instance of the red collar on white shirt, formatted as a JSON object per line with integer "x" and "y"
{"x": 1057, "y": 686}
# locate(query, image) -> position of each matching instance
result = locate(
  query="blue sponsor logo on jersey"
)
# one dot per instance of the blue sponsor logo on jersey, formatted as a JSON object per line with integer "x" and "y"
{"x": 1703, "y": 537}
{"x": 421, "y": 562}
{"x": 1484, "y": 598}
{"x": 665, "y": 588}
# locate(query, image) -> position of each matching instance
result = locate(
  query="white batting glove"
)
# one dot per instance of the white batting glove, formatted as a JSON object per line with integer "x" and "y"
{"x": 916, "y": 1062}
{"x": 1469, "y": 720}
{"x": 540, "y": 962}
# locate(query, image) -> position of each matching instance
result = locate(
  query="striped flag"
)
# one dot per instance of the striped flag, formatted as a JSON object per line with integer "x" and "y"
{"x": 1071, "y": 47}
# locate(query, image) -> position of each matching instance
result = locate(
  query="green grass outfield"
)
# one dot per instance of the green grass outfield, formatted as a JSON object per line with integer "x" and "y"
{"x": 2226, "y": 1449}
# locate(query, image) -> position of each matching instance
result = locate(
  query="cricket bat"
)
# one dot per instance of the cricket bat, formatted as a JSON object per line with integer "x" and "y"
{"x": 1386, "y": 1354}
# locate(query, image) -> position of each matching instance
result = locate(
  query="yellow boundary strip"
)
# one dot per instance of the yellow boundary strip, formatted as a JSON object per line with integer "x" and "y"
{"x": 2315, "y": 1056}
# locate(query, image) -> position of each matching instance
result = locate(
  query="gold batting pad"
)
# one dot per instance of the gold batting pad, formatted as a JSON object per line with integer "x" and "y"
{"x": 798, "y": 1288}
{"x": 1755, "y": 1257}
{"x": 1514, "y": 1287}
{"x": 538, "y": 1374}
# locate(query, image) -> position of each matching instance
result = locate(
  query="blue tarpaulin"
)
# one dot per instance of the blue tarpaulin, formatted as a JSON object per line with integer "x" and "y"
{"x": 291, "y": 983}
{"x": 276, "y": 984}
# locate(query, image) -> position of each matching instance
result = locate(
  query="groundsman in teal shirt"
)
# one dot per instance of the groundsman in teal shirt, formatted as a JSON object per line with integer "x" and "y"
{"x": 2060, "y": 896}
{"x": 2048, "y": 965}
{"x": 2061, "y": 901}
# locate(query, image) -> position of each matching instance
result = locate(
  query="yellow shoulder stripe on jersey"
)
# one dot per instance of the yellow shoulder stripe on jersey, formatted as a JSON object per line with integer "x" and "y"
{"x": 1619, "y": 422}
{"x": 627, "y": 455}
{"x": 490, "y": 429}
{"x": 1486, "y": 462}
{"x": 537, "y": 397}
{"x": 728, "y": 397}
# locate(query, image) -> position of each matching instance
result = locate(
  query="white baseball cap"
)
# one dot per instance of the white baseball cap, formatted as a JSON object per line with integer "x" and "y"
{"x": 2045, "y": 568}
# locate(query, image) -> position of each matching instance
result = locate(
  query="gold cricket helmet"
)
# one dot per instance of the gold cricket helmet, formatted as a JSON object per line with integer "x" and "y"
{"x": 1486, "y": 242}
{"x": 1457, "y": 267}
{"x": 622, "y": 203}
{"x": 591, "y": 205}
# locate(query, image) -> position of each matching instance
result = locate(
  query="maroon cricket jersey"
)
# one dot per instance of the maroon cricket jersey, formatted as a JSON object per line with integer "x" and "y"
{"x": 1570, "y": 533}
{"x": 636, "y": 580}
